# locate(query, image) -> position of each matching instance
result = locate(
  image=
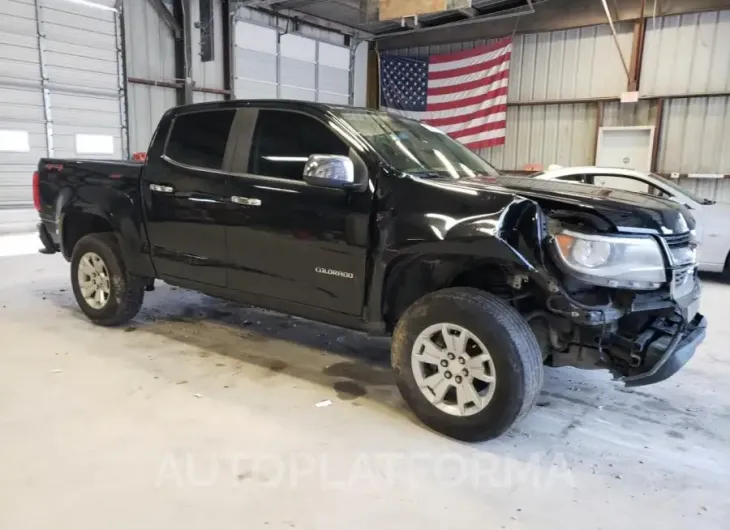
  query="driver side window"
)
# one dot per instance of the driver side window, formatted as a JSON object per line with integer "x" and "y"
{"x": 283, "y": 141}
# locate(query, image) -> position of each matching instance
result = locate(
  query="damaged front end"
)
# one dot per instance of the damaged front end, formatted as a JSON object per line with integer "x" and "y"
{"x": 636, "y": 315}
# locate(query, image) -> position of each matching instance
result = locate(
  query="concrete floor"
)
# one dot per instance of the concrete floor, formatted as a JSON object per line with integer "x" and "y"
{"x": 204, "y": 415}
{"x": 17, "y": 220}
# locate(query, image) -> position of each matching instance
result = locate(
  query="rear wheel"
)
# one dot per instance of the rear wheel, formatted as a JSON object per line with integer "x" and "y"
{"x": 106, "y": 293}
{"x": 466, "y": 363}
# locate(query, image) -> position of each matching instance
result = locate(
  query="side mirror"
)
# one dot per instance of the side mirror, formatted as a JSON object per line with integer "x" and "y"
{"x": 330, "y": 171}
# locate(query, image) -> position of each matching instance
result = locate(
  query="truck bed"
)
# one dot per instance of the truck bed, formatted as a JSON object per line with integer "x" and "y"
{"x": 65, "y": 181}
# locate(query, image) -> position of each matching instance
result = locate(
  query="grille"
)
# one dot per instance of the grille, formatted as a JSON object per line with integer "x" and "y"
{"x": 682, "y": 275}
{"x": 683, "y": 258}
{"x": 683, "y": 280}
{"x": 682, "y": 249}
{"x": 680, "y": 240}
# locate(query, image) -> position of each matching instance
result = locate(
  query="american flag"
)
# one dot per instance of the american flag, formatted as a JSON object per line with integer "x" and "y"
{"x": 464, "y": 94}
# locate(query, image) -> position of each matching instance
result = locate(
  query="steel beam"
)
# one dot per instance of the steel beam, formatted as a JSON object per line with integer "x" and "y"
{"x": 313, "y": 20}
{"x": 167, "y": 17}
{"x": 324, "y": 23}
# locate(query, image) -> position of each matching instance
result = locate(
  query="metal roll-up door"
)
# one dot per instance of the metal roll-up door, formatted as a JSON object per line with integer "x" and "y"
{"x": 61, "y": 88}
{"x": 334, "y": 65}
{"x": 271, "y": 63}
{"x": 82, "y": 53}
{"x": 22, "y": 120}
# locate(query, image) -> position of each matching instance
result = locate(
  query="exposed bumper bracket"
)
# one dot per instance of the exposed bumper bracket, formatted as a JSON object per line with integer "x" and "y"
{"x": 675, "y": 354}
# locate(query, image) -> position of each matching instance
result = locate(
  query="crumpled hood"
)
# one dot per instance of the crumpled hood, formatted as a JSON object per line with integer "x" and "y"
{"x": 627, "y": 211}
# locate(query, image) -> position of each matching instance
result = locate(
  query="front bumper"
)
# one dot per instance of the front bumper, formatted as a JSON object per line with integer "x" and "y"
{"x": 672, "y": 353}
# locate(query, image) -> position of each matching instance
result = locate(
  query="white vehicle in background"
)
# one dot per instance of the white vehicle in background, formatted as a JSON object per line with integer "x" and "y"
{"x": 713, "y": 220}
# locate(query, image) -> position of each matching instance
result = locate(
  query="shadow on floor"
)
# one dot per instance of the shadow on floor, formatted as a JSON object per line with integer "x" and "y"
{"x": 352, "y": 364}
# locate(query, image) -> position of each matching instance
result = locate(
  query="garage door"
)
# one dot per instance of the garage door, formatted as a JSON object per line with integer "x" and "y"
{"x": 60, "y": 88}
{"x": 290, "y": 66}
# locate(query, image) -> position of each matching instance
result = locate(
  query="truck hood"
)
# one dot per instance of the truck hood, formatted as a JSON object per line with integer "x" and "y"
{"x": 627, "y": 211}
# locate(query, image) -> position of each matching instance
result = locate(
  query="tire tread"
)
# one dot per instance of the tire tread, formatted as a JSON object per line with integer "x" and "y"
{"x": 519, "y": 333}
{"x": 129, "y": 288}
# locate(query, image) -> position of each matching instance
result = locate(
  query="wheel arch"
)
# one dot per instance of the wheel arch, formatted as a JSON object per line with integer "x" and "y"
{"x": 111, "y": 212}
{"x": 413, "y": 275}
{"x": 77, "y": 223}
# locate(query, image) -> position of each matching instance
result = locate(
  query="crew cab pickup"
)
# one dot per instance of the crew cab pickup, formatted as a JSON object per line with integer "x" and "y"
{"x": 377, "y": 223}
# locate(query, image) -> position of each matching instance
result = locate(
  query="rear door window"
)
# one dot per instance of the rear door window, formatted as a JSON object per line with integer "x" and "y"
{"x": 199, "y": 139}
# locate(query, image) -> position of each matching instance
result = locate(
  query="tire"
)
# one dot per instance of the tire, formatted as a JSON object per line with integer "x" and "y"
{"x": 126, "y": 292}
{"x": 516, "y": 362}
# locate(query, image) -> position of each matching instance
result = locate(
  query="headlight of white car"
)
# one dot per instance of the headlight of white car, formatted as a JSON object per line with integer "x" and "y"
{"x": 632, "y": 262}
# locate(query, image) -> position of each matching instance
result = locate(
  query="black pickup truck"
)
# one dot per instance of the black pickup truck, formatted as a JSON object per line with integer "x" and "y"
{"x": 376, "y": 223}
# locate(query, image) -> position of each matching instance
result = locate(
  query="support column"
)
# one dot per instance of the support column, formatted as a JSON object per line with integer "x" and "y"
{"x": 121, "y": 74}
{"x": 44, "y": 77}
{"x": 351, "y": 78}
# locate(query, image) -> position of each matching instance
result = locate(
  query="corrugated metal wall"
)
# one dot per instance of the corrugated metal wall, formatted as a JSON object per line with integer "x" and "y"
{"x": 550, "y": 134}
{"x": 150, "y": 48}
{"x": 559, "y": 65}
{"x": 695, "y": 135}
{"x": 616, "y": 114}
{"x": 151, "y": 55}
{"x": 688, "y": 54}
{"x": 579, "y": 63}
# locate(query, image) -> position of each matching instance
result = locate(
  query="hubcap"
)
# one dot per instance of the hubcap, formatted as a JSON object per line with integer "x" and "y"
{"x": 440, "y": 353}
{"x": 94, "y": 281}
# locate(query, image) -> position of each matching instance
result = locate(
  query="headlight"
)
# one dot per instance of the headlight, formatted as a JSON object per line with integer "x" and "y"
{"x": 632, "y": 262}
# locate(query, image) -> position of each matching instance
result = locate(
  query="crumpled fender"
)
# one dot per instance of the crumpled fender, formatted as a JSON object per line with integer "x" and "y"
{"x": 512, "y": 234}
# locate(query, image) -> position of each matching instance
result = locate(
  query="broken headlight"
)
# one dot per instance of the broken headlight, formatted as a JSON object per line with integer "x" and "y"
{"x": 612, "y": 261}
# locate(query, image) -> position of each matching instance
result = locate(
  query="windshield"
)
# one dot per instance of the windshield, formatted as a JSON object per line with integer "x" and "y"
{"x": 679, "y": 189}
{"x": 416, "y": 148}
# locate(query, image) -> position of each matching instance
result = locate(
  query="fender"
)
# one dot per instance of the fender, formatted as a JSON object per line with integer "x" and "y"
{"x": 115, "y": 205}
{"x": 512, "y": 235}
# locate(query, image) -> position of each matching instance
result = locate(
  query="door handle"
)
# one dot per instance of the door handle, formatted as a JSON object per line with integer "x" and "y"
{"x": 246, "y": 201}
{"x": 161, "y": 188}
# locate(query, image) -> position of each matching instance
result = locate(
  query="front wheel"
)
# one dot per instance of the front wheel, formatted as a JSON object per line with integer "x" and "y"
{"x": 104, "y": 290}
{"x": 466, "y": 363}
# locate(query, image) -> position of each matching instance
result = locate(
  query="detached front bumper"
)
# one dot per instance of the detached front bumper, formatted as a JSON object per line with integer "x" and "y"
{"x": 672, "y": 353}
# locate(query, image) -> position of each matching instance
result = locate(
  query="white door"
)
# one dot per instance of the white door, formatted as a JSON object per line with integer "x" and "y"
{"x": 625, "y": 147}
{"x": 628, "y": 148}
